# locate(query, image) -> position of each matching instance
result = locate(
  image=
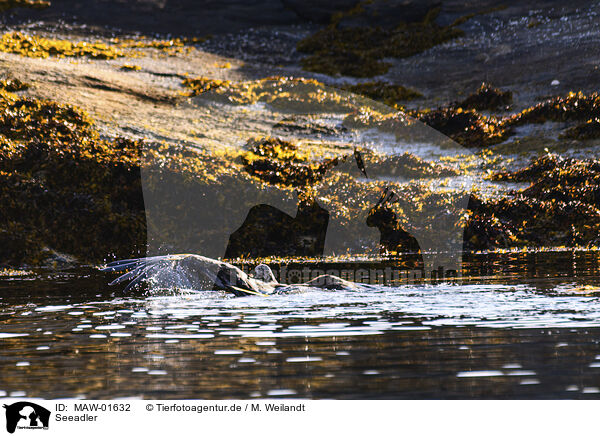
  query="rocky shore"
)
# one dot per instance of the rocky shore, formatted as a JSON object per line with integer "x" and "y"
{"x": 86, "y": 107}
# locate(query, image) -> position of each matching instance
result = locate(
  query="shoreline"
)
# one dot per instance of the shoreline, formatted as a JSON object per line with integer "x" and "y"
{"x": 140, "y": 96}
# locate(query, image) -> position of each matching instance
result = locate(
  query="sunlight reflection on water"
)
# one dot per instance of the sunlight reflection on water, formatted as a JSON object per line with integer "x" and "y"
{"x": 443, "y": 341}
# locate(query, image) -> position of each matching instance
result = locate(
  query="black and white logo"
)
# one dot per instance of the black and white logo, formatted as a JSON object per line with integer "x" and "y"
{"x": 26, "y": 415}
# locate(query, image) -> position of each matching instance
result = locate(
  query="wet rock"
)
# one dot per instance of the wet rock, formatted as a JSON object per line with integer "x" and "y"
{"x": 303, "y": 126}
{"x": 176, "y": 17}
{"x": 405, "y": 165}
{"x": 387, "y": 14}
{"x": 318, "y": 11}
{"x": 40, "y": 47}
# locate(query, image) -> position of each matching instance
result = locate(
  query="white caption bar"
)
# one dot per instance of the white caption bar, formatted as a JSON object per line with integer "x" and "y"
{"x": 295, "y": 417}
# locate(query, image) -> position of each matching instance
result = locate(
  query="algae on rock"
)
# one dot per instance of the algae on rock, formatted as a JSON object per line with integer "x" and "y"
{"x": 358, "y": 52}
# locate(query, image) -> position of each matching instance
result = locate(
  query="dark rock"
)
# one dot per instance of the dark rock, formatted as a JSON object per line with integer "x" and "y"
{"x": 487, "y": 98}
{"x": 318, "y": 11}
{"x": 176, "y": 17}
{"x": 388, "y": 14}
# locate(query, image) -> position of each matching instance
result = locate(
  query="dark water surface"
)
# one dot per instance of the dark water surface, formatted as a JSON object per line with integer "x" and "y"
{"x": 521, "y": 326}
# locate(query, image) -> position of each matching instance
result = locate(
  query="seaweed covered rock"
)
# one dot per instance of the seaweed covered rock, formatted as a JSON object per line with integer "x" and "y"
{"x": 13, "y": 85}
{"x": 200, "y": 85}
{"x": 536, "y": 170}
{"x": 575, "y": 106}
{"x": 485, "y": 231}
{"x": 248, "y": 92}
{"x": 276, "y": 161}
{"x": 588, "y": 130}
{"x": 66, "y": 189}
{"x": 486, "y": 98}
{"x": 394, "y": 239}
{"x": 268, "y": 231}
{"x": 467, "y": 127}
{"x": 389, "y": 94}
{"x": 524, "y": 221}
{"x": 561, "y": 207}
{"x": 358, "y": 51}
{"x": 298, "y": 92}
{"x": 63, "y": 187}
{"x": 40, "y": 47}
{"x": 297, "y": 95}
{"x": 35, "y": 46}
{"x": 463, "y": 123}
{"x": 556, "y": 178}
{"x": 275, "y": 148}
